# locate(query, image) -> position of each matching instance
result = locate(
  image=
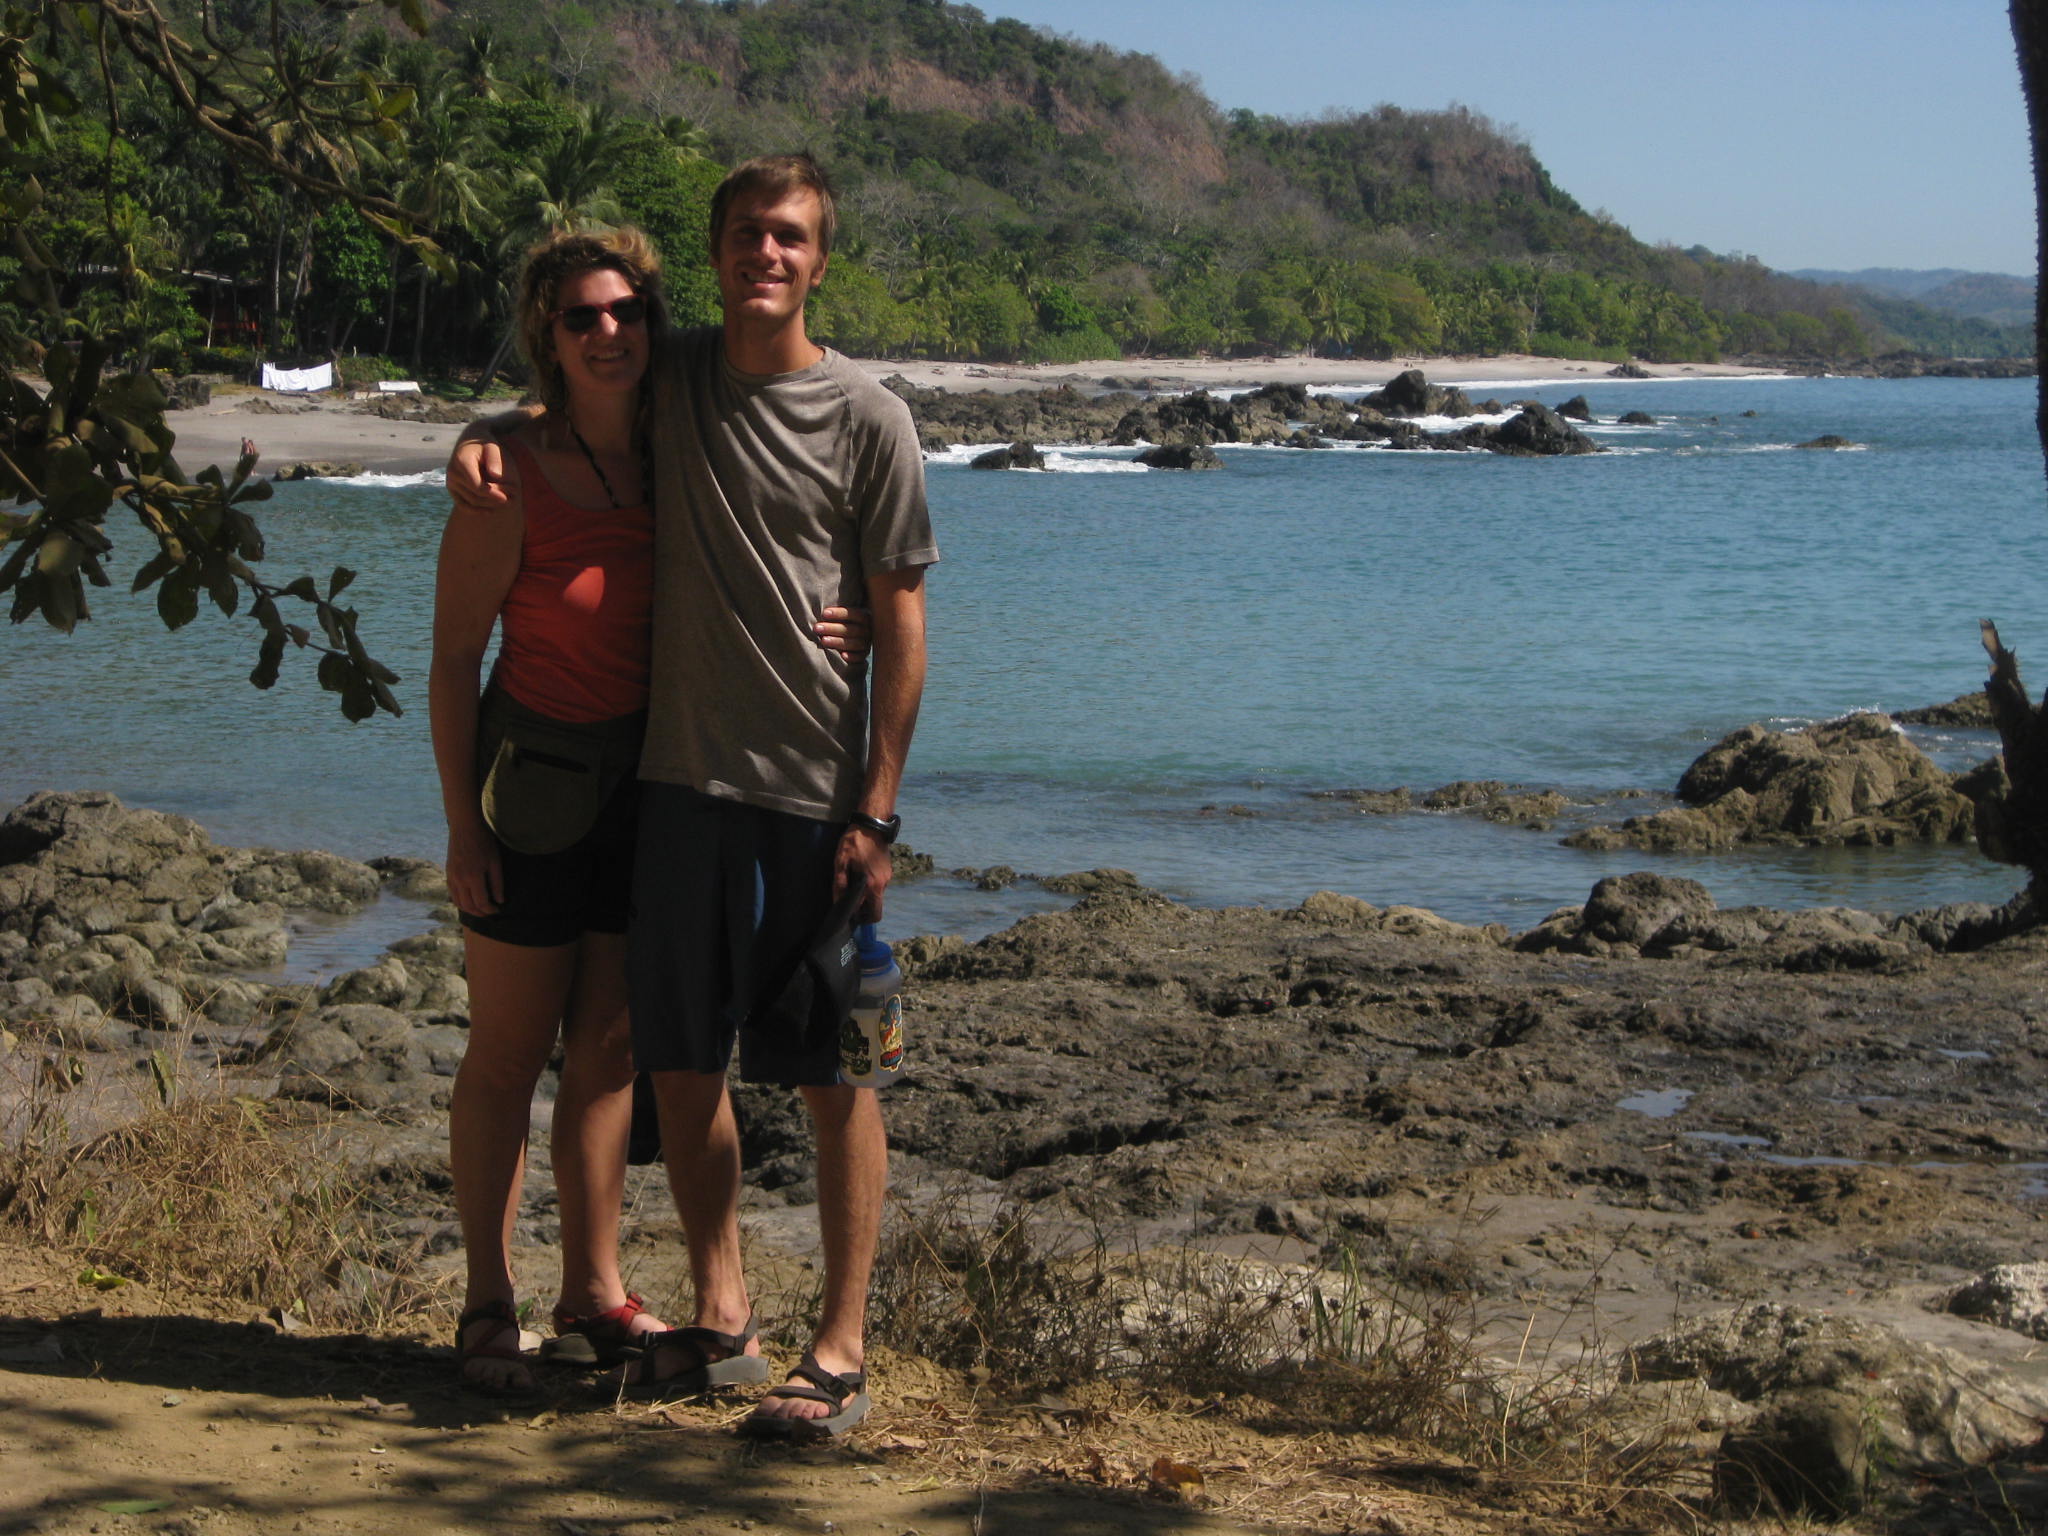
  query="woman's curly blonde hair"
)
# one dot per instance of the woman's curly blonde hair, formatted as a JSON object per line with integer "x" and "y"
{"x": 562, "y": 255}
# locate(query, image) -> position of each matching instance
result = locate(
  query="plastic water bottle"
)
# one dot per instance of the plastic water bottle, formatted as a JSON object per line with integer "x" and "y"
{"x": 871, "y": 1041}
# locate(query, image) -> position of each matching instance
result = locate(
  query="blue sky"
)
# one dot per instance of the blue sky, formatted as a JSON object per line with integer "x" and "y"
{"x": 1809, "y": 133}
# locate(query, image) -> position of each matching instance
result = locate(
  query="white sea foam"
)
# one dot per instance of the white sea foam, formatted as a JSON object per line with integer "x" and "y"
{"x": 1068, "y": 459}
{"x": 391, "y": 482}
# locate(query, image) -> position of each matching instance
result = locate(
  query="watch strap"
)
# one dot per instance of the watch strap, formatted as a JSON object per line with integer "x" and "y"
{"x": 884, "y": 828}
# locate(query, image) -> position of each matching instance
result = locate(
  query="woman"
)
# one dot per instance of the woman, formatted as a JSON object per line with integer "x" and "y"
{"x": 537, "y": 783}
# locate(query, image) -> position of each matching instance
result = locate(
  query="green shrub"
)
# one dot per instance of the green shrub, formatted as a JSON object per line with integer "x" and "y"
{"x": 1091, "y": 345}
{"x": 1550, "y": 344}
{"x": 360, "y": 372}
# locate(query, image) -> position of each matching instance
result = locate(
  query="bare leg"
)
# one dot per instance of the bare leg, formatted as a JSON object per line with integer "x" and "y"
{"x": 700, "y": 1142}
{"x": 516, "y": 997}
{"x": 593, "y": 1114}
{"x": 853, "y": 1177}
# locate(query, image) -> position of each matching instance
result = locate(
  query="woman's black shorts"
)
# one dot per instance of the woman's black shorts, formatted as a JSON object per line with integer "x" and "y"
{"x": 554, "y": 898}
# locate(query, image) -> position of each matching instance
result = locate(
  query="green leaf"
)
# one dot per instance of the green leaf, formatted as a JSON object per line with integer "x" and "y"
{"x": 357, "y": 702}
{"x": 132, "y": 1506}
{"x": 63, "y": 602}
{"x": 335, "y": 672}
{"x": 10, "y": 571}
{"x": 221, "y": 585}
{"x": 28, "y": 596}
{"x": 256, "y": 490}
{"x": 59, "y": 555}
{"x": 177, "y": 600}
{"x": 386, "y": 699}
{"x": 268, "y": 656}
{"x": 155, "y": 568}
{"x": 301, "y": 587}
{"x": 242, "y": 529}
{"x": 338, "y": 582}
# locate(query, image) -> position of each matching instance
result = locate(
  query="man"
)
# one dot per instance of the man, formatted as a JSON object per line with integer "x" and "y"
{"x": 788, "y": 482}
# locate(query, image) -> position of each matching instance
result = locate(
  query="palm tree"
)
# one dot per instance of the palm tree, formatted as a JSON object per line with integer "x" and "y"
{"x": 443, "y": 190}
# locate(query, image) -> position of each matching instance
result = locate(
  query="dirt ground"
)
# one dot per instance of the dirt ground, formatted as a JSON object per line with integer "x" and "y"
{"x": 1582, "y": 1150}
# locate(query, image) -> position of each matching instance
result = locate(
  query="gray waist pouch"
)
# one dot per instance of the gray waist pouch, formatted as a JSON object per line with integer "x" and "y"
{"x": 544, "y": 781}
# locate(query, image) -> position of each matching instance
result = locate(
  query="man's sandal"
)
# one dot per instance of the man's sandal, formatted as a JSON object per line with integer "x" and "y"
{"x": 713, "y": 1359}
{"x": 846, "y": 1394}
{"x": 598, "y": 1339}
{"x": 507, "y": 1344}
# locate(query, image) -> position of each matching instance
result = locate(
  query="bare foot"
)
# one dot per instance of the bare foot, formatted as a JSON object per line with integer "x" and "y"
{"x": 682, "y": 1361}
{"x": 491, "y": 1350}
{"x": 821, "y": 1397}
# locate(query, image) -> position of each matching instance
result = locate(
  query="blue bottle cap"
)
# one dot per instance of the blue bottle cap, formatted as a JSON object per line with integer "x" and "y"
{"x": 874, "y": 954}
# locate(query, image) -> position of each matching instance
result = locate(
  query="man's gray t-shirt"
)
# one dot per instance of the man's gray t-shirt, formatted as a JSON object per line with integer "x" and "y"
{"x": 775, "y": 497}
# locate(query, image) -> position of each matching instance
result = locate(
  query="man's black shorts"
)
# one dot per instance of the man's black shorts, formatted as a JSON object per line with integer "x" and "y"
{"x": 725, "y": 898}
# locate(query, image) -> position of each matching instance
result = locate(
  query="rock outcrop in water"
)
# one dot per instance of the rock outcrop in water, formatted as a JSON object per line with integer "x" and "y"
{"x": 1857, "y": 781}
{"x": 120, "y": 924}
{"x": 1275, "y": 415}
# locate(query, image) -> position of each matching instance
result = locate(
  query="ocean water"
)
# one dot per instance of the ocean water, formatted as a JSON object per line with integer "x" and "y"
{"x": 1161, "y": 671}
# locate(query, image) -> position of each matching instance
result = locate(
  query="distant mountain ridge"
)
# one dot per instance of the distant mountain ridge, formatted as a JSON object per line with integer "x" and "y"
{"x": 1997, "y": 297}
{"x": 1007, "y": 194}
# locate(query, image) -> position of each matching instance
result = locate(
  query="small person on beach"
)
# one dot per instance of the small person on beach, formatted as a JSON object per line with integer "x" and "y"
{"x": 785, "y": 479}
{"x": 538, "y": 784}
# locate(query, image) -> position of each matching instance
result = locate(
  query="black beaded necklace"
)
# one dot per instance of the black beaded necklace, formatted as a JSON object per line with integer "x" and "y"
{"x": 595, "y": 468}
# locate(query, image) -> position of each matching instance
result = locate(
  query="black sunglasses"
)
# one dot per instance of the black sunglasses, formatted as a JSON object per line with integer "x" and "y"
{"x": 578, "y": 318}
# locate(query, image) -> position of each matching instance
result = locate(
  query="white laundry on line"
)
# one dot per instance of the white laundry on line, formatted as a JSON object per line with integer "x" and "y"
{"x": 298, "y": 380}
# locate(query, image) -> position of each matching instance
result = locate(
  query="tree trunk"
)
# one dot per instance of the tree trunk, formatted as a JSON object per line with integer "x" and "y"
{"x": 497, "y": 361}
{"x": 391, "y": 303}
{"x": 2014, "y": 827}
{"x": 419, "y": 321}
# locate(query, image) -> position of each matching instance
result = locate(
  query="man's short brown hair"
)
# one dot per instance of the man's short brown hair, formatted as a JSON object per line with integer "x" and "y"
{"x": 561, "y": 256}
{"x": 777, "y": 176}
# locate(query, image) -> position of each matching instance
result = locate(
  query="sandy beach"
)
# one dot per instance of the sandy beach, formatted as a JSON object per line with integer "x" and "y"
{"x": 337, "y": 429}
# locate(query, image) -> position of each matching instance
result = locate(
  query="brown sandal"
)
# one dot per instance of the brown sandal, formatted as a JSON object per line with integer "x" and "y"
{"x": 721, "y": 1361}
{"x": 494, "y": 1348}
{"x": 846, "y": 1394}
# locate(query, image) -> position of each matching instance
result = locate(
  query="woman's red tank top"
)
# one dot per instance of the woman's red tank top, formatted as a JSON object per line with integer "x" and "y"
{"x": 573, "y": 634}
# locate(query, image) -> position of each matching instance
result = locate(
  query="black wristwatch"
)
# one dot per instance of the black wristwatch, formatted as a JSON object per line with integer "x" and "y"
{"x": 886, "y": 830}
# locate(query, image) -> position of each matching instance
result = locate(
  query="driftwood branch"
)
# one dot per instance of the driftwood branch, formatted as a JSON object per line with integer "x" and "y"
{"x": 2014, "y": 829}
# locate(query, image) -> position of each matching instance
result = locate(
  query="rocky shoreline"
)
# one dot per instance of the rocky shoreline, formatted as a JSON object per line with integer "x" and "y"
{"x": 1814, "y": 1138}
{"x": 1281, "y": 415}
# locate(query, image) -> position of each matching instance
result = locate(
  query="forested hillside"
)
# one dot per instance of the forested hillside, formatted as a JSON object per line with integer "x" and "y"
{"x": 1008, "y": 194}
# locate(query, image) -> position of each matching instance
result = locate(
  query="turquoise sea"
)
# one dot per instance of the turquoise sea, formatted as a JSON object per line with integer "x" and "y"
{"x": 1158, "y": 670}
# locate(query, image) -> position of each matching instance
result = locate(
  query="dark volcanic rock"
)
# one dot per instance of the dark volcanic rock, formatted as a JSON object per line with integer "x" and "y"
{"x": 1538, "y": 430}
{"x": 1970, "y": 711}
{"x": 1636, "y": 419}
{"x": 1828, "y": 440}
{"x": 1016, "y": 456}
{"x": 354, "y": 1056}
{"x": 1575, "y": 409}
{"x": 1411, "y": 394}
{"x": 317, "y": 469}
{"x": 1841, "y": 1399}
{"x": 1628, "y": 371}
{"x": 1855, "y": 781}
{"x": 1181, "y": 456}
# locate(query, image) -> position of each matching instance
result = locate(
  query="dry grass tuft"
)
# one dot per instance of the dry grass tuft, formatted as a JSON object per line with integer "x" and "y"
{"x": 1301, "y": 1372}
{"x": 221, "y": 1194}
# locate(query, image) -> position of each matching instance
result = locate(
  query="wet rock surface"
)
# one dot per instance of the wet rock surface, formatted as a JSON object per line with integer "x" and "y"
{"x": 1856, "y": 781}
{"x": 1285, "y": 415}
{"x": 1676, "y": 1107}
